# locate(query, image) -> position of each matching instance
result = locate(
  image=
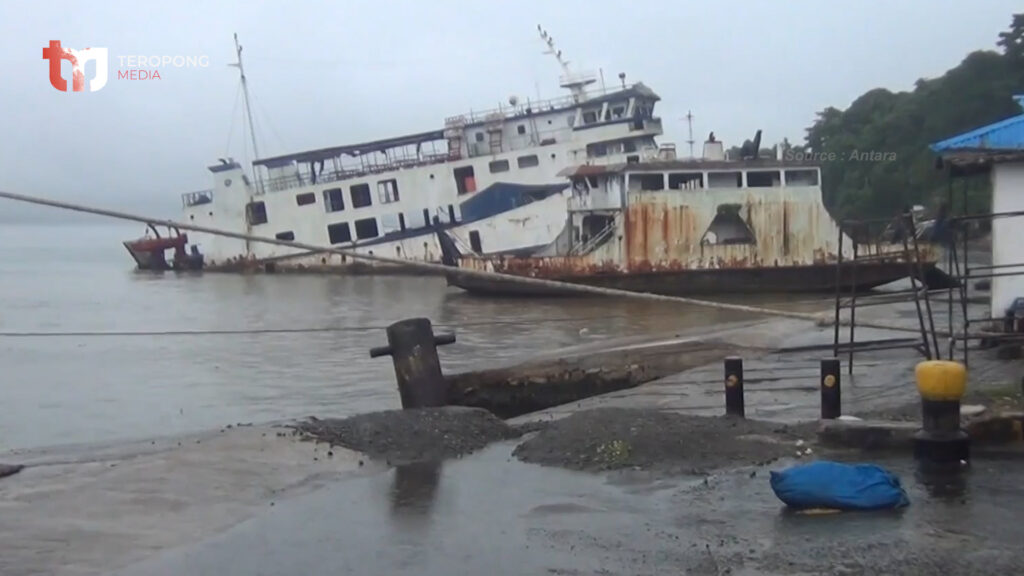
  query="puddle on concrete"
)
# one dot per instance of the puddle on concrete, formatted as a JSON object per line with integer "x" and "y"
{"x": 491, "y": 514}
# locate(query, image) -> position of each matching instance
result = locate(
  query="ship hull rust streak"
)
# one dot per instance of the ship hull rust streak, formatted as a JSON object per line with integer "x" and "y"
{"x": 664, "y": 244}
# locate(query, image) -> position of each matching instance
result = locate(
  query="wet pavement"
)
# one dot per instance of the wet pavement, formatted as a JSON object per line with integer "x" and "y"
{"x": 490, "y": 514}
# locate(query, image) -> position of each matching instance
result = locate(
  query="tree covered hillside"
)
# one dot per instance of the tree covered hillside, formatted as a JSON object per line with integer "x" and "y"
{"x": 901, "y": 125}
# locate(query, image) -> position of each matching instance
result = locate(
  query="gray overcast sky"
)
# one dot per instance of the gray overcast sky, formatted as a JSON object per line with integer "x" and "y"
{"x": 327, "y": 73}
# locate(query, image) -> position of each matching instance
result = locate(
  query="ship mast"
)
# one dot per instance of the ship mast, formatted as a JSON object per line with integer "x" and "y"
{"x": 576, "y": 83}
{"x": 248, "y": 107}
{"x": 689, "y": 126}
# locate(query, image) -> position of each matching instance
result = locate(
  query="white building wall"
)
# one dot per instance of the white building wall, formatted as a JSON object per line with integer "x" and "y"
{"x": 1007, "y": 234}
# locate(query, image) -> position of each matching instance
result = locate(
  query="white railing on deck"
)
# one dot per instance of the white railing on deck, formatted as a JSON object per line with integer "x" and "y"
{"x": 535, "y": 107}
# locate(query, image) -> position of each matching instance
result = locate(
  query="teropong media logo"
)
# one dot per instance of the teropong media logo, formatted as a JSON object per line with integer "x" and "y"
{"x": 132, "y": 67}
{"x": 56, "y": 53}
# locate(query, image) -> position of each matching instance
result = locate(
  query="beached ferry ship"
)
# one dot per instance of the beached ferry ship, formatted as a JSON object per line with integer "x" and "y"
{"x": 710, "y": 225}
{"x": 490, "y": 179}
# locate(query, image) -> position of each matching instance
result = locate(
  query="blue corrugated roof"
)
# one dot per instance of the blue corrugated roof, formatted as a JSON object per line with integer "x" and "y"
{"x": 1003, "y": 135}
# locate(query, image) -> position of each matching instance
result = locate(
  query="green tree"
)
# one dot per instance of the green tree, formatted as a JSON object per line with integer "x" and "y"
{"x": 1012, "y": 41}
{"x": 901, "y": 125}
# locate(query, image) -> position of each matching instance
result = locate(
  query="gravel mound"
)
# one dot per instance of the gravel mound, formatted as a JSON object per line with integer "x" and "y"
{"x": 615, "y": 438}
{"x": 407, "y": 436}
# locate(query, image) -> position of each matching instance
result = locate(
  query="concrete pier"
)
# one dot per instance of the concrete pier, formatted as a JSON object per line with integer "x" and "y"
{"x": 256, "y": 498}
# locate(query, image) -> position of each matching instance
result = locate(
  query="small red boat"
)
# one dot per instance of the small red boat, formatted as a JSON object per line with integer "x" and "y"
{"x": 149, "y": 251}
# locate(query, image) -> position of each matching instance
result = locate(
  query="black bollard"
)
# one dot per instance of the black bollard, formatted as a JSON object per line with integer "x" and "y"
{"x": 734, "y": 387}
{"x": 831, "y": 395}
{"x": 941, "y": 442}
{"x": 412, "y": 346}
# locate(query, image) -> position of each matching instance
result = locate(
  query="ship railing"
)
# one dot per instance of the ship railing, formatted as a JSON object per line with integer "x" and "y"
{"x": 288, "y": 182}
{"x": 596, "y": 240}
{"x": 535, "y": 106}
{"x": 196, "y": 198}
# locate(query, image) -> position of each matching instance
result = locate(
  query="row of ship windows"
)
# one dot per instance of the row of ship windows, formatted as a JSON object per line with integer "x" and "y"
{"x": 696, "y": 180}
{"x": 387, "y": 190}
{"x": 341, "y": 232}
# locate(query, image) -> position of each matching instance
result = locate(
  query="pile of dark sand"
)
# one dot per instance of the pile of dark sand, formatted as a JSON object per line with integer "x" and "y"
{"x": 615, "y": 438}
{"x": 407, "y": 436}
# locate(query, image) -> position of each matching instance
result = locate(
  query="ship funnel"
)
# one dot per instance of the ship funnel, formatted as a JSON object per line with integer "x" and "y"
{"x": 713, "y": 149}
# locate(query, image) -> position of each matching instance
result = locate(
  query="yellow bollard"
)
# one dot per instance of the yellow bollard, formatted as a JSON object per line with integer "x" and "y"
{"x": 942, "y": 385}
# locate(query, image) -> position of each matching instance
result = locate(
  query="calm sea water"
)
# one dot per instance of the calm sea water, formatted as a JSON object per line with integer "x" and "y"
{"x": 74, "y": 278}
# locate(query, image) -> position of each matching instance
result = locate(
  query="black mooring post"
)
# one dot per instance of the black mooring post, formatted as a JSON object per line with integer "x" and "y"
{"x": 831, "y": 399}
{"x": 412, "y": 346}
{"x": 734, "y": 387}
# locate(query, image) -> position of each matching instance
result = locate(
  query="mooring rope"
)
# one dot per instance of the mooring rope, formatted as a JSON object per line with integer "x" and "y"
{"x": 300, "y": 330}
{"x": 821, "y": 319}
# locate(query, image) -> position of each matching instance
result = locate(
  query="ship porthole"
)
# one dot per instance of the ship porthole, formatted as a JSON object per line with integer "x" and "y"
{"x": 191, "y": 216}
{"x": 323, "y": 260}
{"x": 227, "y": 182}
{"x": 431, "y": 176}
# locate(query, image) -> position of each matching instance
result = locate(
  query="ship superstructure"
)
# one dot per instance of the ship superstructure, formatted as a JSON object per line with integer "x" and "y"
{"x": 490, "y": 179}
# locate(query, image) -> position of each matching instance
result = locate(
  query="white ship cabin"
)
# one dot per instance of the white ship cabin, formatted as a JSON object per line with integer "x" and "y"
{"x": 710, "y": 200}
{"x": 472, "y": 175}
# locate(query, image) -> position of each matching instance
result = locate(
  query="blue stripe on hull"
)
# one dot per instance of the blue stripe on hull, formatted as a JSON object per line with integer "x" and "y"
{"x": 492, "y": 201}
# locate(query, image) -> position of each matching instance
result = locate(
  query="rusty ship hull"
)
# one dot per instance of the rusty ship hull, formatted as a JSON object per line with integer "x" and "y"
{"x": 802, "y": 279}
{"x": 667, "y": 228}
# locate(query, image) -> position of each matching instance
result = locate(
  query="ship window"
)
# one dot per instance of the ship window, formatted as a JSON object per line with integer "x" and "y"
{"x": 387, "y": 191}
{"x": 590, "y": 116}
{"x": 629, "y": 146}
{"x": 498, "y": 166}
{"x": 685, "y": 181}
{"x": 339, "y": 233}
{"x": 725, "y": 179}
{"x": 360, "y": 194}
{"x": 528, "y": 161}
{"x": 256, "y": 213}
{"x": 801, "y": 177}
{"x": 289, "y": 235}
{"x": 465, "y": 180}
{"x": 597, "y": 150}
{"x": 521, "y": 129}
{"x": 307, "y": 198}
{"x": 474, "y": 241}
{"x": 401, "y": 221}
{"x": 366, "y": 228}
{"x": 334, "y": 201}
{"x": 618, "y": 111}
{"x": 451, "y": 213}
{"x": 764, "y": 178}
{"x": 479, "y": 136}
{"x": 391, "y": 223}
{"x": 426, "y": 217}
{"x": 728, "y": 227}
{"x": 647, "y": 181}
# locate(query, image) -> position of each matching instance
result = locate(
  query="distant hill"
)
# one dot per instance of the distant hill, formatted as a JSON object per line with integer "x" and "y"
{"x": 900, "y": 126}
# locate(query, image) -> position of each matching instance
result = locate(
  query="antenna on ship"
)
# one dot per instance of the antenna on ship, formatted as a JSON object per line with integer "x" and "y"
{"x": 689, "y": 126}
{"x": 248, "y": 107}
{"x": 576, "y": 83}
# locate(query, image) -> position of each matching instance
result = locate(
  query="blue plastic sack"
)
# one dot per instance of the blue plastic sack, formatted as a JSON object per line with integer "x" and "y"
{"x": 825, "y": 484}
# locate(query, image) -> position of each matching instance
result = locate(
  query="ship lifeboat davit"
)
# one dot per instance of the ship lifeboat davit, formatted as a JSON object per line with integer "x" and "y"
{"x": 149, "y": 251}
